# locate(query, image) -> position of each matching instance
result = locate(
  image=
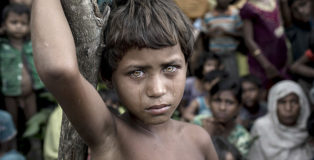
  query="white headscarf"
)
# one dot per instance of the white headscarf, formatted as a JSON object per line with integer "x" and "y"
{"x": 276, "y": 141}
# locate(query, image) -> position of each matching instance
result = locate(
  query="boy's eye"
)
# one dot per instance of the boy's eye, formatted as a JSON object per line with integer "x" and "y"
{"x": 170, "y": 69}
{"x": 137, "y": 74}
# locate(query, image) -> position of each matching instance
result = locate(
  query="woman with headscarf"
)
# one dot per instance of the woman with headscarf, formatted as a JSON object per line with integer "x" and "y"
{"x": 281, "y": 134}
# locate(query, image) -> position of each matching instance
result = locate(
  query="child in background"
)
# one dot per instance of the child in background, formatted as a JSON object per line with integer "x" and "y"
{"x": 298, "y": 25}
{"x": 19, "y": 76}
{"x": 225, "y": 100}
{"x": 253, "y": 106}
{"x": 7, "y": 138}
{"x": 200, "y": 105}
{"x": 265, "y": 40}
{"x": 281, "y": 133}
{"x": 206, "y": 63}
{"x": 146, "y": 62}
{"x": 224, "y": 25}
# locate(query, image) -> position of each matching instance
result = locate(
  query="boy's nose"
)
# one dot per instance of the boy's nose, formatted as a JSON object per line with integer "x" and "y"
{"x": 155, "y": 87}
{"x": 222, "y": 106}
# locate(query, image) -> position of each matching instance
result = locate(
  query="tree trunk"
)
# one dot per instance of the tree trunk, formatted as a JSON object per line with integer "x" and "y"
{"x": 87, "y": 26}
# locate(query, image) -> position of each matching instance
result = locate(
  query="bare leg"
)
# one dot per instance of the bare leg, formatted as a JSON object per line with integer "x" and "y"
{"x": 11, "y": 105}
{"x": 30, "y": 107}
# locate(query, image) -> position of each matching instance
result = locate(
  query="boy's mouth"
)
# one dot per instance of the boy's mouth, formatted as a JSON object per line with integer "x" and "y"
{"x": 158, "y": 109}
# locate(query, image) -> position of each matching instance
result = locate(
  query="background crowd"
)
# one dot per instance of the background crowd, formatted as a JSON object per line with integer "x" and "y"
{"x": 250, "y": 82}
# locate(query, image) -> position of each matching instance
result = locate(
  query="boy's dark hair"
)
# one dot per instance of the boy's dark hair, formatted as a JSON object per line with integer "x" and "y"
{"x": 252, "y": 79}
{"x": 215, "y": 74}
{"x": 198, "y": 71}
{"x": 138, "y": 24}
{"x": 15, "y": 8}
{"x": 223, "y": 147}
{"x": 227, "y": 84}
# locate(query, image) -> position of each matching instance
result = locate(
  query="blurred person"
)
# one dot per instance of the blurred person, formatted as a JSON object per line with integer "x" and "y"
{"x": 200, "y": 105}
{"x": 252, "y": 105}
{"x": 18, "y": 73}
{"x": 7, "y": 138}
{"x": 281, "y": 133}
{"x": 206, "y": 63}
{"x": 298, "y": 25}
{"x": 303, "y": 69}
{"x": 265, "y": 40}
{"x": 224, "y": 29}
{"x": 225, "y": 100}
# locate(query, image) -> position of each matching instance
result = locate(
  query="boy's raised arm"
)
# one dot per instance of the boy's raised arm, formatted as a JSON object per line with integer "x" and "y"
{"x": 56, "y": 63}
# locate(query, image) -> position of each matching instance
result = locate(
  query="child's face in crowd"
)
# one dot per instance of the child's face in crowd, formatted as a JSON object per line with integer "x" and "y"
{"x": 249, "y": 94}
{"x": 301, "y": 10}
{"x": 16, "y": 26}
{"x": 150, "y": 82}
{"x": 210, "y": 65}
{"x": 288, "y": 109}
{"x": 224, "y": 106}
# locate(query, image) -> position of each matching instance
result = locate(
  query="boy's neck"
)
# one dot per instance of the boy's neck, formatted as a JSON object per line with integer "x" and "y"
{"x": 16, "y": 43}
{"x": 149, "y": 129}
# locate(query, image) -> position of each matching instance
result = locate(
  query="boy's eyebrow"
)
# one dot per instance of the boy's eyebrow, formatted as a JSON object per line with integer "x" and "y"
{"x": 171, "y": 62}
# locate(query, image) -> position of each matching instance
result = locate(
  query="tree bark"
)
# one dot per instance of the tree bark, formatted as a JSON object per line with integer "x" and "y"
{"x": 87, "y": 26}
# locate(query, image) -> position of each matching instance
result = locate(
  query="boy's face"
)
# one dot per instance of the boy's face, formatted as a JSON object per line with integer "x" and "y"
{"x": 301, "y": 10}
{"x": 150, "y": 83}
{"x": 224, "y": 106}
{"x": 209, "y": 66}
{"x": 16, "y": 26}
{"x": 250, "y": 94}
{"x": 288, "y": 109}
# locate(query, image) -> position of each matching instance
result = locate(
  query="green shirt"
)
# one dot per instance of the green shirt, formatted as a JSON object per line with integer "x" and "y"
{"x": 239, "y": 136}
{"x": 11, "y": 65}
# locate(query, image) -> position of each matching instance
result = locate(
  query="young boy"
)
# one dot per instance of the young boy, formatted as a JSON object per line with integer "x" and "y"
{"x": 224, "y": 25}
{"x": 253, "y": 107}
{"x": 19, "y": 76}
{"x": 148, "y": 43}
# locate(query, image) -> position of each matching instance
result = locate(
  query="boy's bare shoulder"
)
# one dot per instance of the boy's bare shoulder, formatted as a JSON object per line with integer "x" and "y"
{"x": 195, "y": 133}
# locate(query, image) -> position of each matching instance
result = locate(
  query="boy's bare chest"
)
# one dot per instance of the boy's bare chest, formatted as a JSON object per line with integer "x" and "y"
{"x": 133, "y": 147}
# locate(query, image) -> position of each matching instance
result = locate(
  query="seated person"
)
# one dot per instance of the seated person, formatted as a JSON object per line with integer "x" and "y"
{"x": 207, "y": 62}
{"x": 225, "y": 100}
{"x": 253, "y": 107}
{"x": 200, "y": 105}
{"x": 7, "y": 138}
{"x": 281, "y": 133}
